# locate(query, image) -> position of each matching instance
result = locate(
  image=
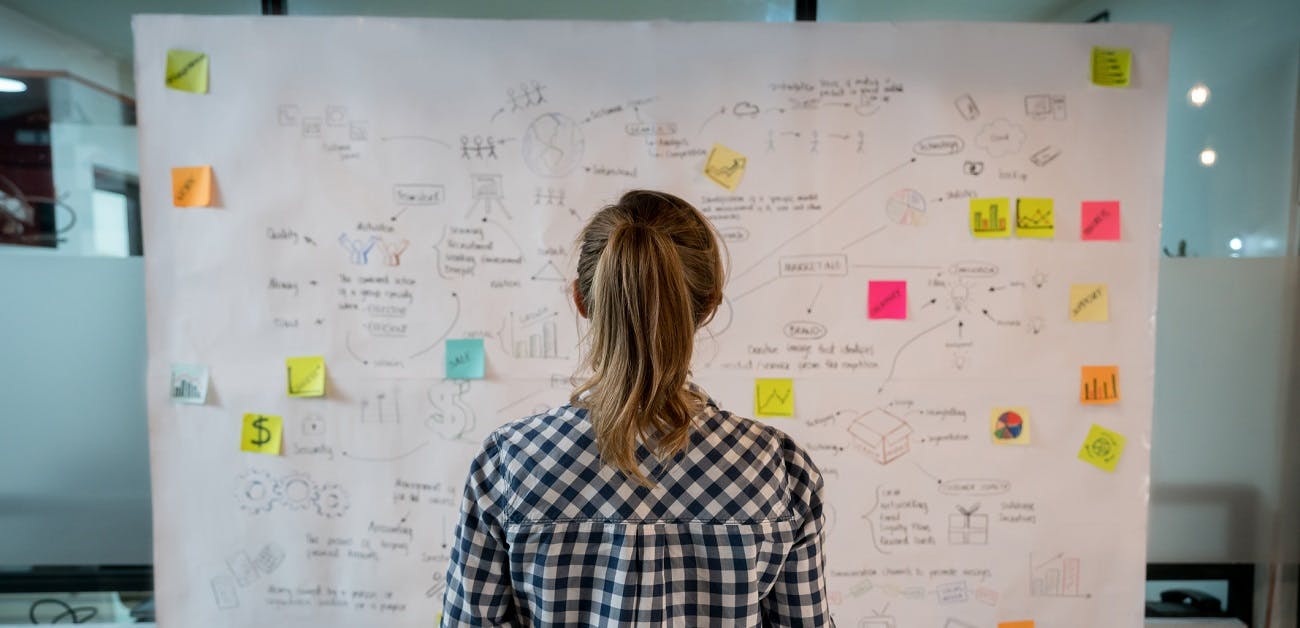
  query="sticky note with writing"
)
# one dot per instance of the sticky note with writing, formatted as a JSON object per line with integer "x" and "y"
{"x": 465, "y": 358}
{"x": 1100, "y": 220}
{"x": 774, "y": 397}
{"x": 1009, "y": 426}
{"x": 187, "y": 71}
{"x": 306, "y": 376}
{"x": 1034, "y": 218}
{"x": 190, "y": 384}
{"x": 261, "y": 434}
{"x": 1098, "y": 385}
{"x": 1111, "y": 67}
{"x": 192, "y": 186}
{"x": 887, "y": 299}
{"x": 1089, "y": 303}
{"x": 725, "y": 166}
{"x": 1023, "y": 623}
{"x": 1102, "y": 448}
{"x": 990, "y": 217}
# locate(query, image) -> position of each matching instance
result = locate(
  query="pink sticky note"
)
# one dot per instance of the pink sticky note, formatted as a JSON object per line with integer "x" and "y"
{"x": 887, "y": 299}
{"x": 1100, "y": 220}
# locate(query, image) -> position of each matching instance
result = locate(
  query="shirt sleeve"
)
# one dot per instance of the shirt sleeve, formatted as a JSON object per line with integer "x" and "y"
{"x": 798, "y": 597}
{"x": 479, "y": 590}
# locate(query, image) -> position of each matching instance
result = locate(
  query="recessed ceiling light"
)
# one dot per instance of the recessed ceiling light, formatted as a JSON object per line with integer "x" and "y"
{"x": 12, "y": 85}
{"x": 1208, "y": 157}
{"x": 1198, "y": 94}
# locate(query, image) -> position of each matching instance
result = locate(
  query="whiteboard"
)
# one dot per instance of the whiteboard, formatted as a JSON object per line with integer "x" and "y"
{"x": 382, "y": 186}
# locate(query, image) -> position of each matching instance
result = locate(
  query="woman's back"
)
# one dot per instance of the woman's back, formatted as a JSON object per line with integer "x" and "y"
{"x": 730, "y": 533}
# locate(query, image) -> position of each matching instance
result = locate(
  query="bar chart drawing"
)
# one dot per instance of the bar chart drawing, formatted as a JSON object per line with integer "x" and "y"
{"x": 991, "y": 222}
{"x": 989, "y": 217}
{"x": 532, "y": 336}
{"x": 1056, "y": 576}
{"x": 1099, "y": 384}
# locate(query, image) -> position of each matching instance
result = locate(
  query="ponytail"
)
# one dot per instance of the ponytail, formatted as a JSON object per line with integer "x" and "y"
{"x": 649, "y": 274}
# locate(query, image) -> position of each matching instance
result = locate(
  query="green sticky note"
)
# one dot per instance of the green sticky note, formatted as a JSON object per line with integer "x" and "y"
{"x": 465, "y": 358}
{"x": 187, "y": 71}
{"x": 1102, "y": 448}
{"x": 773, "y": 397}
{"x": 306, "y": 376}
{"x": 1111, "y": 67}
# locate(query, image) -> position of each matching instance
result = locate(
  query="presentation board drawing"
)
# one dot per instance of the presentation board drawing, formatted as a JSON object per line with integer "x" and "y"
{"x": 918, "y": 218}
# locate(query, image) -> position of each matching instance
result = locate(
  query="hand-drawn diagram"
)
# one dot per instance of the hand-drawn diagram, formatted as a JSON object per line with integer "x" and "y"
{"x": 852, "y": 200}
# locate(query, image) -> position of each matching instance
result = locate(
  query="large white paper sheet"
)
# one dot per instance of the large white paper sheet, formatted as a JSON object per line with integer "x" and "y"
{"x": 381, "y": 186}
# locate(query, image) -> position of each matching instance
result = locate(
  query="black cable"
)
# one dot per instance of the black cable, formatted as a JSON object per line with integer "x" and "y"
{"x": 68, "y": 611}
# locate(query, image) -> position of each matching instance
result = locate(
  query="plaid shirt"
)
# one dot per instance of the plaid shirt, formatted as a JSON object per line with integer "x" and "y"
{"x": 730, "y": 535}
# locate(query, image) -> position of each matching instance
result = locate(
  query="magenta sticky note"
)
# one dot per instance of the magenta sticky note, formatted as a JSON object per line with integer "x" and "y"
{"x": 1100, "y": 220}
{"x": 887, "y": 299}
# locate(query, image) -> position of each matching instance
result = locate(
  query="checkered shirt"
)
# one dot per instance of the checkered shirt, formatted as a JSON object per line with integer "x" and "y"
{"x": 730, "y": 535}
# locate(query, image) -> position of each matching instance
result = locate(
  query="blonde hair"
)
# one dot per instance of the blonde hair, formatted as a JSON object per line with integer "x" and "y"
{"x": 650, "y": 275}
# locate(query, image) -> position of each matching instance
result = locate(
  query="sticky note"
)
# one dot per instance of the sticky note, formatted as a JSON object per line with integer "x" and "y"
{"x": 990, "y": 217}
{"x": 1111, "y": 66}
{"x": 1024, "y": 623}
{"x": 1098, "y": 385}
{"x": 1089, "y": 303}
{"x": 189, "y": 384}
{"x": 305, "y": 376}
{"x": 774, "y": 397}
{"x": 261, "y": 434}
{"x": 887, "y": 299}
{"x": 1102, "y": 448}
{"x": 1100, "y": 220}
{"x": 1034, "y": 218}
{"x": 192, "y": 186}
{"x": 187, "y": 71}
{"x": 1009, "y": 426}
{"x": 725, "y": 166}
{"x": 465, "y": 358}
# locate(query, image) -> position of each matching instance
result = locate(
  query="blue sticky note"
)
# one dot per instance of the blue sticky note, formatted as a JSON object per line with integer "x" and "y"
{"x": 465, "y": 358}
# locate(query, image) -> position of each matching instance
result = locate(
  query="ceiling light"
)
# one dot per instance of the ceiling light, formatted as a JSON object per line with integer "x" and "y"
{"x": 12, "y": 85}
{"x": 1208, "y": 157}
{"x": 1198, "y": 94}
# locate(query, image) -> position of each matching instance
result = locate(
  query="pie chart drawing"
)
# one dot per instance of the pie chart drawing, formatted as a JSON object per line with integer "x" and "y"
{"x": 906, "y": 207}
{"x": 1009, "y": 426}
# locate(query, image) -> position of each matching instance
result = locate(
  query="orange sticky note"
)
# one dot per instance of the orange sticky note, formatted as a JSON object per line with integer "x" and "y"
{"x": 192, "y": 186}
{"x": 1099, "y": 385}
{"x": 1024, "y": 623}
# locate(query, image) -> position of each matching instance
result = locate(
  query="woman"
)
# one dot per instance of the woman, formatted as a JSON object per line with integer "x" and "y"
{"x": 641, "y": 502}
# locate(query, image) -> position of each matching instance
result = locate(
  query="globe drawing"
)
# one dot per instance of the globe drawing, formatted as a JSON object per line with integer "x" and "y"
{"x": 553, "y": 145}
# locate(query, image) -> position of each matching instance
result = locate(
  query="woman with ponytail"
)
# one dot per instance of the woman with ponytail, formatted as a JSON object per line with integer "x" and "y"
{"x": 640, "y": 502}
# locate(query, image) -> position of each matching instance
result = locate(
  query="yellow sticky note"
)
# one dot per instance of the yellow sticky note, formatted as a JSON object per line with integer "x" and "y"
{"x": 261, "y": 434}
{"x": 725, "y": 166}
{"x": 990, "y": 217}
{"x": 1111, "y": 67}
{"x": 1009, "y": 426}
{"x": 1102, "y": 448}
{"x": 305, "y": 376}
{"x": 1089, "y": 303}
{"x": 1098, "y": 385}
{"x": 773, "y": 397}
{"x": 1024, "y": 623}
{"x": 1034, "y": 218}
{"x": 187, "y": 71}
{"x": 192, "y": 186}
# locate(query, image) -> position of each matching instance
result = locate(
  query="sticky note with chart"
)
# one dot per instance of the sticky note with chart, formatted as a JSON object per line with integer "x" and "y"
{"x": 899, "y": 206}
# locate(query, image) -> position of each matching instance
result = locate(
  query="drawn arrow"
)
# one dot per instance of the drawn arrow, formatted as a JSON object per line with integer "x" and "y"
{"x": 922, "y": 469}
{"x": 499, "y": 112}
{"x": 845, "y": 201}
{"x": 399, "y": 213}
{"x": 389, "y": 459}
{"x": 446, "y": 333}
{"x": 403, "y": 519}
{"x": 996, "y": 288}
{"x": 310, "y": 241}
{"x": 960, "y": 325}
{"x": 814, "y": 299}
{"x": 347, "y": 344}
{"x": 894, "y": 365}
{"x": 930, "y": 302}
{"x": 417, "y": 137}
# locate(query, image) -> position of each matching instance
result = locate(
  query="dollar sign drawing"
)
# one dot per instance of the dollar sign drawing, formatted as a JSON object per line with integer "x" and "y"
{"x": 263, "y": 433}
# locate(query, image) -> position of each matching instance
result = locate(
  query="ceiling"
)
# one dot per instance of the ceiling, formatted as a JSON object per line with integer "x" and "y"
{"x": 106, "y": 24}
